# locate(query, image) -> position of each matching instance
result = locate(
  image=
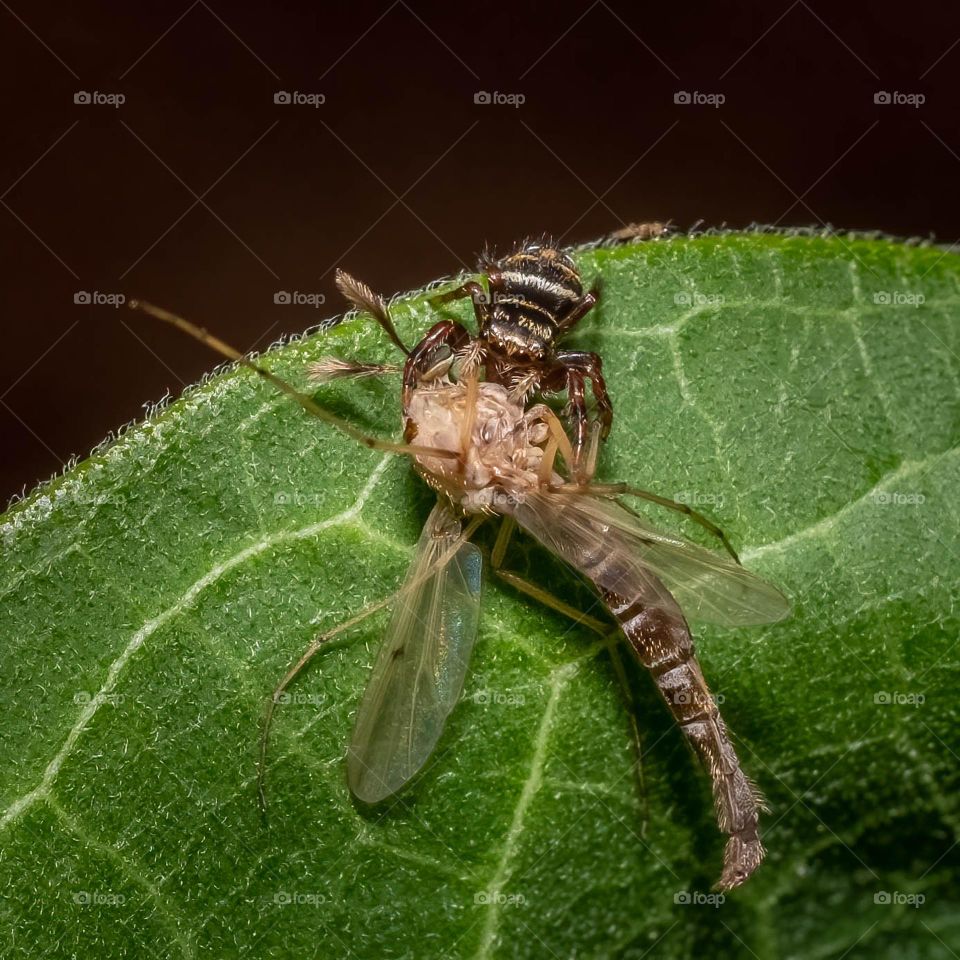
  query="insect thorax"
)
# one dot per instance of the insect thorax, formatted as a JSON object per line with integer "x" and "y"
{"x": 501, "y": 456}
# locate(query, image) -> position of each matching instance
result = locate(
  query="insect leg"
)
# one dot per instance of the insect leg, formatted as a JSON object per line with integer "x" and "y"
{"x": 593, "y": 451}
{"x": 661, "y": 640}
{"x": 318, "y": 643}
{"x": 559, "y": 442}
{"x": 532, "y": 590}
{"x": 624, "y": 489}
{"x": 291, "y": 674}
{"x": 631, "y": 707}
{"x": 507, "y": 526}
{"x": 308, "y": 403}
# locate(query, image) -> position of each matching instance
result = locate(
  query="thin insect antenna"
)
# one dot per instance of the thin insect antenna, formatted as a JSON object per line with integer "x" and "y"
{"x": 317, "y": 643}
{"x": 308, "y": 403}
{"x": 334, "y": 368}
{"x": 366, "y": 301}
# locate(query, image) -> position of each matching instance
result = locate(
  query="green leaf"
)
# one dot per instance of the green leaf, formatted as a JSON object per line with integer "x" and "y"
{"x": 804, "y": 390}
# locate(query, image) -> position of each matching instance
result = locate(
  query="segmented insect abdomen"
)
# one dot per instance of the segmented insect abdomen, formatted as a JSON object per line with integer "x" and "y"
{"x": 660, "y": 638}
{"x": 591, "y": 536}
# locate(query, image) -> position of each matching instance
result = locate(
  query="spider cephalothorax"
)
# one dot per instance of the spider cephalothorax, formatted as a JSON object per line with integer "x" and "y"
{"x": 532, "y": 298}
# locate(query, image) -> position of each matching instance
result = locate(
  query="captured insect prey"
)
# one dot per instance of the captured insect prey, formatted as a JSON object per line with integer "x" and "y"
{"x": 479, "y": 434}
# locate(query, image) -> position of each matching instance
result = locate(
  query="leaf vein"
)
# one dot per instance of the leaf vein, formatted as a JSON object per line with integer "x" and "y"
{"x": 23, "y": 803}
{"x": 827, "y": 523}
{"x": 558, "y": 680}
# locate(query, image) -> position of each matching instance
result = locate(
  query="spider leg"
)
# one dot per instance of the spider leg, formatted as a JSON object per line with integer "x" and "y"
{"x": 471, "y": 288}
{"x": 590, "y": 367}
{"x": 580, "y": 309}
{"x": 572, "y": 370}
{"x": 423, "y": 362}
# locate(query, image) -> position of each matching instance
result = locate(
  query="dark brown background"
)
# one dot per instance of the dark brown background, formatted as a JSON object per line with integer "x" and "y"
{"x": 203, "y": 195}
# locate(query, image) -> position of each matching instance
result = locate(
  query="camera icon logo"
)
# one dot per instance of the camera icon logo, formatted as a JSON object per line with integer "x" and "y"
{"x": 481, "y": 96}
{"x": 282, "y": 297}
{"x": 282, "y": 96}
{"x": 881, "y": 96}
{"x": 82, "y": 96}
{"x": 681, "y": 96}
{"x": 82, "y": 297}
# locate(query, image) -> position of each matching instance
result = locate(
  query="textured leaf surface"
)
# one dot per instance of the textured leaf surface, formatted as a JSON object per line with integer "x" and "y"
{"x": 792, "y": 386}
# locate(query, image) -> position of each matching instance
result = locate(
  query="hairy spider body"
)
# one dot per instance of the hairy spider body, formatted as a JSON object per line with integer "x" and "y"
{"x": 536, "y": 287}
{"x": 533, "y": 297}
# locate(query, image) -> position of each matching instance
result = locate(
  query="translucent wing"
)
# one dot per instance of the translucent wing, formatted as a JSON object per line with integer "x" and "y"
{"x": 420, "y": 669}
{"x": 618, "y": 551}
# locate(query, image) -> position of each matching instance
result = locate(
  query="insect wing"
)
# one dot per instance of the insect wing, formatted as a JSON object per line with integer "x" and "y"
{"x": 420, "y": 669}
{"x": 619, "y": 551}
